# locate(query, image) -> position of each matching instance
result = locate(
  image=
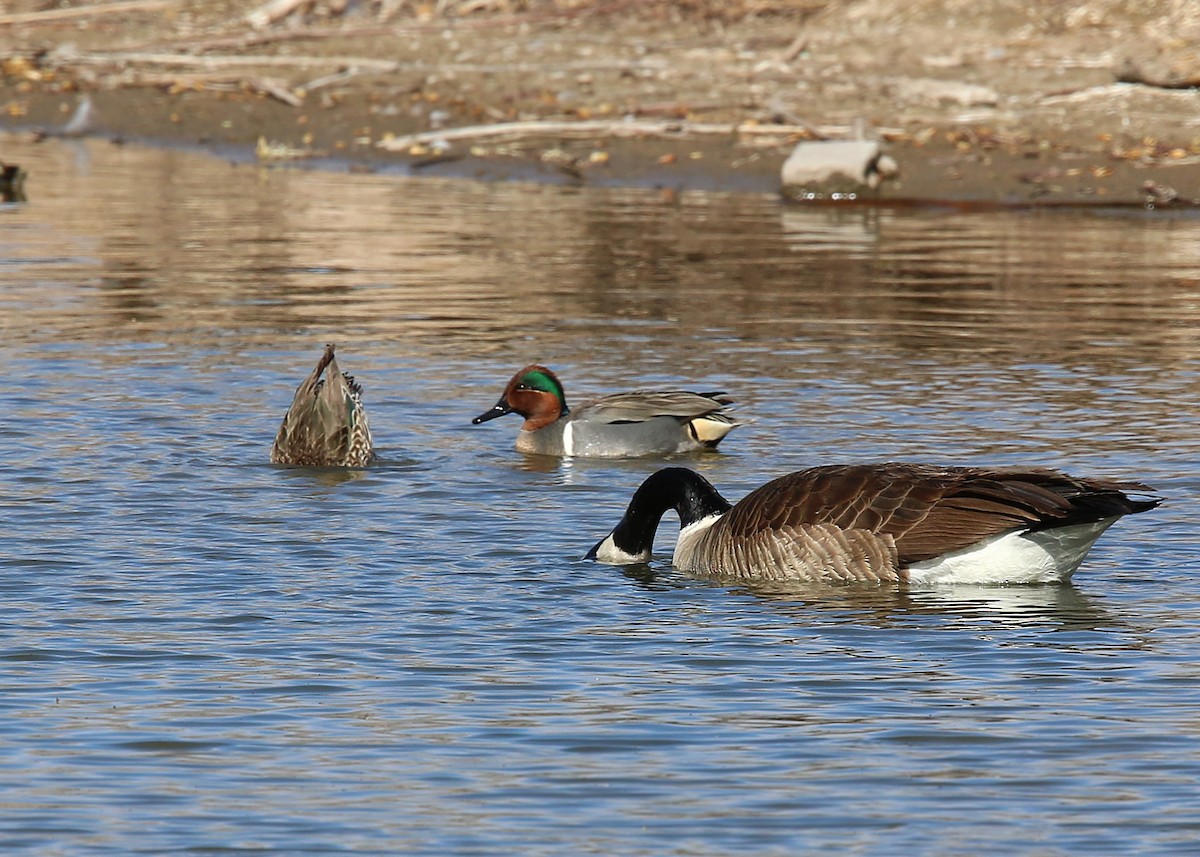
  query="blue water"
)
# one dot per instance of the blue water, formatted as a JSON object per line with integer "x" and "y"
{"x": 201, "y": 652}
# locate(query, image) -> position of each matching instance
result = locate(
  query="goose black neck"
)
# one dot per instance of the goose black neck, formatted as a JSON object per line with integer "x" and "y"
{"x": 691, "y": 495}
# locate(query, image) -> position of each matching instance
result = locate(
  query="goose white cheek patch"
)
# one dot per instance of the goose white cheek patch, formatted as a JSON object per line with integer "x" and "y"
{"x": 607, "y": 551}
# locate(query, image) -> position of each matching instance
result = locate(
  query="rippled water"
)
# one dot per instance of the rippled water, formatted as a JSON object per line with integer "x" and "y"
{"x": 201, "y": 652}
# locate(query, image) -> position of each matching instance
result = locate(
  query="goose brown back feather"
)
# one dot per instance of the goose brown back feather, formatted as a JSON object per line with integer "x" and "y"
{"x": 924, "y": 511}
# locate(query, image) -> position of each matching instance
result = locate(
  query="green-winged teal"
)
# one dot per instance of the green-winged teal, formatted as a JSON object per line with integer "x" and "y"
{"x": 615, "y": 426}
{"x": 326, "y": 426}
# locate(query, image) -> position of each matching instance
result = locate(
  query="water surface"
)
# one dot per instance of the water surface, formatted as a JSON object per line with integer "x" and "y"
{"x": 201, "y": 652}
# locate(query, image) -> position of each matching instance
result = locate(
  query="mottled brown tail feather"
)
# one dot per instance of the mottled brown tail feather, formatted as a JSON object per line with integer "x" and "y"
{"x": 326, "y": 359}
{"x": 326, "y": 424}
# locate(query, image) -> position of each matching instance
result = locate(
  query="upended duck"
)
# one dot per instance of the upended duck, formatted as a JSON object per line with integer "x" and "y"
{"x": 912, "y": 523}
{"x": 613, "y": 426}
{"x": 326, "y": 426}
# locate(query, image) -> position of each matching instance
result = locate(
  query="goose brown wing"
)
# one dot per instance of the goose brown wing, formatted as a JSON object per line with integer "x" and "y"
{"x": 927, "y": 511}
{"x": 808, "y": 552}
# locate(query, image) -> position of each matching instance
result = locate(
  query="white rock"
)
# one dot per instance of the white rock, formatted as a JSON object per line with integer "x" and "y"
{"x": 818, "y": 165}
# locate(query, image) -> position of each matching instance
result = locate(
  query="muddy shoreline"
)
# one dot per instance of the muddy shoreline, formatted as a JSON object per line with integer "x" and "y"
{"x": 988, "y": 103}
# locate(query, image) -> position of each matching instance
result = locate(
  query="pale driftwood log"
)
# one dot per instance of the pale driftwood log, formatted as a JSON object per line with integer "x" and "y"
{"x": 67, "y": 57}
{"x": 1113, "y": 90}
{"x": 1159, "y": 78}
{"x": 223, "y": 61}
{"x": 1073, "y": 96}
{"x": 602, "y": 128}
{"x": 51, "y": 15}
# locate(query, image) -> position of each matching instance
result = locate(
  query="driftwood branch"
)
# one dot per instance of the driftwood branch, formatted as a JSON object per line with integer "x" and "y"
{"x": 51, "y": 15}
{"x": 1108, "y": 90}
{"x": 245, "y": 41}
{"x": 1131, "y": 73}
{"x": 362, "y": 64}
{"x": 600, "y": 128}
{"x": 224, "y": 61}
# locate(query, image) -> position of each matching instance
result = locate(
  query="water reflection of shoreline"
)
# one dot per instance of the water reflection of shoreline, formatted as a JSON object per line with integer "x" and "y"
{"x": 446, "y": 262}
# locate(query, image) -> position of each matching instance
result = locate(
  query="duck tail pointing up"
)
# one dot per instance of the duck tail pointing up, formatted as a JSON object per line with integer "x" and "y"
{"x": 326, "y": 359}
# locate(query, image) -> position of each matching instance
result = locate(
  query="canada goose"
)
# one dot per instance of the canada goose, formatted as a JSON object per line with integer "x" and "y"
{"x": 879, "y": 522}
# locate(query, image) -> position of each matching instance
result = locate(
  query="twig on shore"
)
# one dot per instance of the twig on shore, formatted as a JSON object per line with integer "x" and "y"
{"x": 338, "y": 76}
{"x": 81, "y": 123}
{"x": 676, "y": 109}
{"x": 1105, "y": 60}
{"x": 214, "y": 80}
{"x": 276, "y": 90}
{"x": 49, "y": 15}
{"x": 273, "y": 11}
{"x": 811, "y": 11}
{"x": 798, "y": 46}
{"x": 243, "y": 41}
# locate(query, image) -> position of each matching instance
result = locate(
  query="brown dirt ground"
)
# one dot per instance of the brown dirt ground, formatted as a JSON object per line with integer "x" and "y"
{"x": 984, "y": 101}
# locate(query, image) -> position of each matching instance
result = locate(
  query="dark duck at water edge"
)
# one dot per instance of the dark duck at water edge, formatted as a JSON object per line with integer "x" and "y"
{"x": 883, "y": 523}
{"x": 619, "y": 425}
{"x": 326, "y": 425}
